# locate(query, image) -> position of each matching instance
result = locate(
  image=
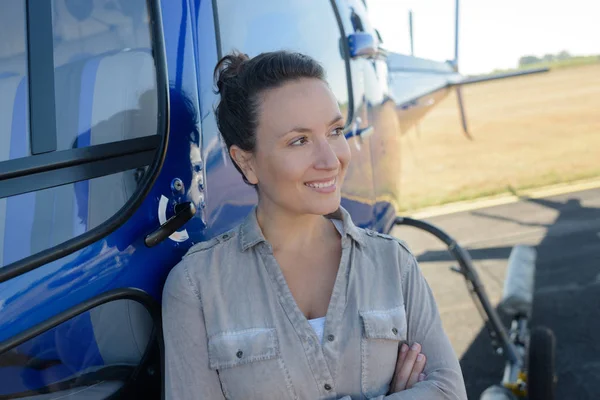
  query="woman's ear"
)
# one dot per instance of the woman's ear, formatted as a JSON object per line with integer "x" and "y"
{"x": 245, "y": 161}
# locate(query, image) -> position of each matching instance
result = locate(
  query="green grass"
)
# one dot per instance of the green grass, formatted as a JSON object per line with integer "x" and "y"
{"x": 557, "y": 64}
{"x": 472, "y": 193}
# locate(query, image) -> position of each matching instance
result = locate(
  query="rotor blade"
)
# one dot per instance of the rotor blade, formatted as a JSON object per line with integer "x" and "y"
{"x": 463, "y": 117}
{"x": 493, "y": 77}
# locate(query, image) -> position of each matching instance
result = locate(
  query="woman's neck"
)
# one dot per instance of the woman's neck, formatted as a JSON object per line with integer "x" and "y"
{"x": 287, "y": 231}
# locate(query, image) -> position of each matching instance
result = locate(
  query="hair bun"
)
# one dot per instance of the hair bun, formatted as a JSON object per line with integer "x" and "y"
{"x": 228, "y": 68}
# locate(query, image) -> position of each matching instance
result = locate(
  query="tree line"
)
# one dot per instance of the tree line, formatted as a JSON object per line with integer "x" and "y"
{"x": 546, "y": 58}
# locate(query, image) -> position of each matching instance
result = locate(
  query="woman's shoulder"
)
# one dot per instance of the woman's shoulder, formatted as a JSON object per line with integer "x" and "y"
{"x": 387, "y": 251}
{"x": 200, "y": 262}
{"x": 215, "y": 243}
{"x": 198, "y": 258}
{"x": 379, "y": 241}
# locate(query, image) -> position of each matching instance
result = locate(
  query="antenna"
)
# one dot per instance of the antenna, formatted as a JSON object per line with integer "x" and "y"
{"x": 410, "y": 31}
{"x": 459, "y": 97}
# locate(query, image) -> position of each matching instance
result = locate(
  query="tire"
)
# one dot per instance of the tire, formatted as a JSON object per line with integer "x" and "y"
{"x": 541, "y": 378}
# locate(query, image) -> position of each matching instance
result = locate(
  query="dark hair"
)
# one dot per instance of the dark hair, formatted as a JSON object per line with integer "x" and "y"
{"x": 240, "y": 79}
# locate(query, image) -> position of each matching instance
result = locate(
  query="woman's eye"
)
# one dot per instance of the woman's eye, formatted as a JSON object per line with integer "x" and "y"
{"x": 299, "y": 141}
{"x": 338, "y": 132}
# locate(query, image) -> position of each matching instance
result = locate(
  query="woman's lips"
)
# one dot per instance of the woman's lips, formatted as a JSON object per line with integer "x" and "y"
{"x": 322, "y": 186}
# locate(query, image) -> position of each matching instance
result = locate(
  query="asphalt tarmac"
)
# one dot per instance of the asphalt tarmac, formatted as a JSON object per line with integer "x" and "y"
{"x": 565, "y": 231}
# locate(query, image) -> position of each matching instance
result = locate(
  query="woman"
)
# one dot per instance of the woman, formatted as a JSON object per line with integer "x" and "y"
{"x": 297, "y": 302}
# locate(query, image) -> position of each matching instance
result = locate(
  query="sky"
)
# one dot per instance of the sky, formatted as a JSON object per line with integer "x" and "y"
{"x": 493, "y": 34}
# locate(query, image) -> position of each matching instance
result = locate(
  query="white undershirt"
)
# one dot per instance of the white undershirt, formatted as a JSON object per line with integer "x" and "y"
{"x": 318, "y": 325}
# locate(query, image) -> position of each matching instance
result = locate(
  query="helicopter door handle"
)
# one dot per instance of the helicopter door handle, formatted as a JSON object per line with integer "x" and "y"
{"x": 183, "y": 213}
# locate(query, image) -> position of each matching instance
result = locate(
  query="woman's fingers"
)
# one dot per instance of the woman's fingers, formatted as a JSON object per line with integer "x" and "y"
{"x": 405, "y": 371}
{"x": 417, "y": 370}
{"x": 401, "y": 357}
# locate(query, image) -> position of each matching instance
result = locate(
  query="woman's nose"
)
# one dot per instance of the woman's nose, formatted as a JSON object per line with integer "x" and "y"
{"x": 326, "y": 157}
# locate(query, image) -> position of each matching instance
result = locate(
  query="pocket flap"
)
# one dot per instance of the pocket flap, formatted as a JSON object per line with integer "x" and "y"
{"x": 229, "y": 349}
{"x": 385, "y": 324}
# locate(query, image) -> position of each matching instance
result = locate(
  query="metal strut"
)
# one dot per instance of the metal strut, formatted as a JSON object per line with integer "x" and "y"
{"x": 466, "y": 268}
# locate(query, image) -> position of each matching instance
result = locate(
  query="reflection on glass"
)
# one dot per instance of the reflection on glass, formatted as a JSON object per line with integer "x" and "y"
{"x": 103, "y": 69}
{"x": 36, "y": 221}
{"x": 309, "y": 27}
{"x": 92, "y": 354}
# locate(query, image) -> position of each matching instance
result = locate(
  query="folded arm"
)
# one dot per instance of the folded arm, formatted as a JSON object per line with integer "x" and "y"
{"x": 444, "y": 376}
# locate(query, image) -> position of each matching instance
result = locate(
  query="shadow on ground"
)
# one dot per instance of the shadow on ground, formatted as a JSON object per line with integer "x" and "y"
{"x": 567, "y": 300}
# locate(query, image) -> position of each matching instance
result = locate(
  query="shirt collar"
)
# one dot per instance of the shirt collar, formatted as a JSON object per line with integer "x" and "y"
{"x": 251, "y": 234}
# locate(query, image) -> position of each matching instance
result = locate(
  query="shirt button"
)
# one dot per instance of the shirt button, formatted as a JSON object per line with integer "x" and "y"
{"x": 239, "y": 354}
{"x": 394, "y": 331}
{"x": 327, "y": 386}
{"x": 331, "y": 338}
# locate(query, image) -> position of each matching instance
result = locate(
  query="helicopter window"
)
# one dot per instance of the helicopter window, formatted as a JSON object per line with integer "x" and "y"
{"x": 36, "y": 221}
{"x": 90, "y": 356}
{"x": 81, "y": 103}
{"x": 309, "y": 27}
{"x": 101, "y": 67}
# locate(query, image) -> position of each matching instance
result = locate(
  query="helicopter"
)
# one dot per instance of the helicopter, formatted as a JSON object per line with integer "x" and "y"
{"x": 112, "y": 167}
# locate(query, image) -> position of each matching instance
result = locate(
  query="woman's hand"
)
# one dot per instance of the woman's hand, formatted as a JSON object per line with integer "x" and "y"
{"x": 409, "y": 368}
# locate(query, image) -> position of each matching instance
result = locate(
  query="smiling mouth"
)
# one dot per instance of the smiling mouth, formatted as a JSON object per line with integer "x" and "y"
{"x": 321, "y": 185}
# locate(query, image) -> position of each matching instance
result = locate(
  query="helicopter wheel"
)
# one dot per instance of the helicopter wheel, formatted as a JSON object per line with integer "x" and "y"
{"x": 541, "y": 378}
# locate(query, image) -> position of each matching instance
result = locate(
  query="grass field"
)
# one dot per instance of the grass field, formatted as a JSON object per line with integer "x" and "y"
{"x": 528, "y": 132}
{"x": 556, "y": 64}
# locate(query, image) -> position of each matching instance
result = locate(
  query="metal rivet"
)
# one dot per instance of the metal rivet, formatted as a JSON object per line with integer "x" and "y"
{"x": 177, "y": 185}
{"x": 327, "y": 386}
{"x": 239, "y": 354}
{"x": 331, "y": 338}
{"x": 394, "y": 331}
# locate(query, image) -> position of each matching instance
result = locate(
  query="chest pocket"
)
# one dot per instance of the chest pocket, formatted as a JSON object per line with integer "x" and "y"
{"x": 383, "y": 331}
{"x": 249, "y": 364}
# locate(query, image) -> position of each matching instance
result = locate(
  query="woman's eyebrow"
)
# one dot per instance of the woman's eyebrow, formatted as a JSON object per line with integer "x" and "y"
{"x": 301, "y": 129}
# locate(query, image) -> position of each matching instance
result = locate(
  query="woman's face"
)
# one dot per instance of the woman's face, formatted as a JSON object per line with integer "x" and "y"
{"x": 301, "y": 154}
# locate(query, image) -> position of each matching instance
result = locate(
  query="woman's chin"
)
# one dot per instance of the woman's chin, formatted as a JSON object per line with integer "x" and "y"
{"x": 324, "y": 206}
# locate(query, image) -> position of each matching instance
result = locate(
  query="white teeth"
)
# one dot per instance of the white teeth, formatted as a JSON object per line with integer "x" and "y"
{"x": 321, "y": 185}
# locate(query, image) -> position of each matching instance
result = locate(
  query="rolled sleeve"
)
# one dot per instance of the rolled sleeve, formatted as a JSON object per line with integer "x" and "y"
{"x": 444, "y": 376}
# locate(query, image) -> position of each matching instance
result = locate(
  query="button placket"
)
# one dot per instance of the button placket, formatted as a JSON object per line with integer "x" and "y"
{"x": 314, "y": 353}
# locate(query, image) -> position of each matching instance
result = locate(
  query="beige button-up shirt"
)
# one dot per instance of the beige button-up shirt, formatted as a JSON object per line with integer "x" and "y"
{"x": 233, "y": 330}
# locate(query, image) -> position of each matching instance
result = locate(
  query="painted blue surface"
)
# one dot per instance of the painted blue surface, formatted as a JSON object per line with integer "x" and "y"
{"x": 119, "y": 260}
{"x": 360, "y": 44}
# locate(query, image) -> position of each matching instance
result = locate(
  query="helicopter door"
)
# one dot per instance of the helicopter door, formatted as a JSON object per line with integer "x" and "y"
{"x": 82, "y": 133}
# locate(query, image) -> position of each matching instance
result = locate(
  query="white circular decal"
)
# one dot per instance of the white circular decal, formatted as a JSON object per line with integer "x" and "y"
{"x": 179, "y": 236}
